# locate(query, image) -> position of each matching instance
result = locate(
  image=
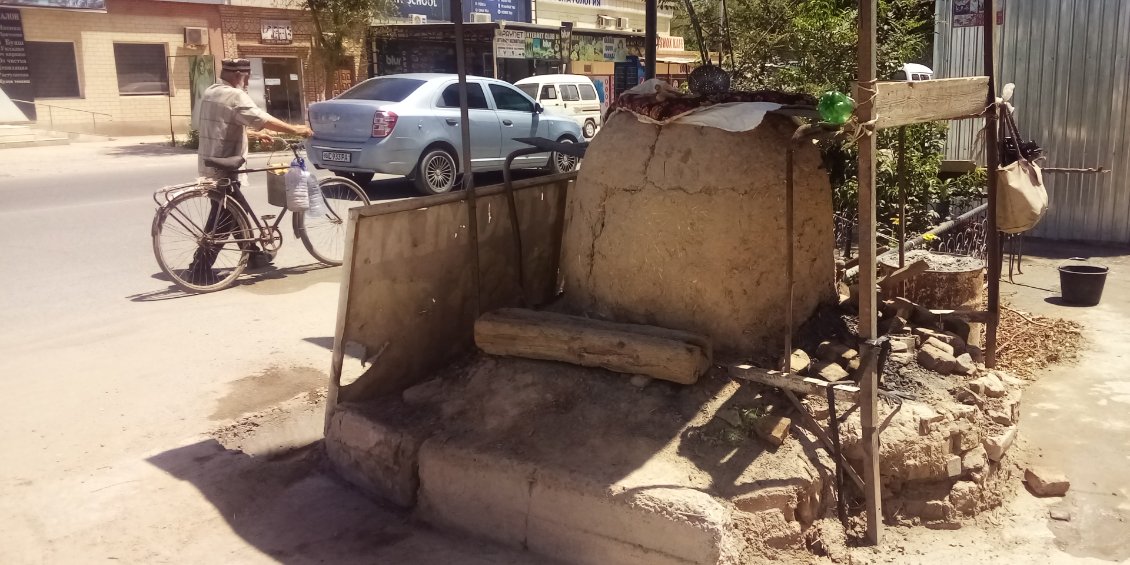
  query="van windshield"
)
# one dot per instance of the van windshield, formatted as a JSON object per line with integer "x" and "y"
{"x": 531, "y": 89}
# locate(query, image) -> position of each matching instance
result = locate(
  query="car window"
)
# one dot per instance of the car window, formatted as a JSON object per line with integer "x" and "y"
{"x": 476, "y": 100}
{"x": 588, "y": 92}
{"x": 530, "y": 89}
{"x": 569, "y": 93}
{"x": 548, "y": 92}
{"x": 899, "y": 75}
{"x": 506, "y": 98}
{"x": 388, "y": 89}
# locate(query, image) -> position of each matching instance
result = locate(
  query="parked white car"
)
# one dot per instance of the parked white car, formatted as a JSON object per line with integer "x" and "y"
{"x": 572, "y": 96}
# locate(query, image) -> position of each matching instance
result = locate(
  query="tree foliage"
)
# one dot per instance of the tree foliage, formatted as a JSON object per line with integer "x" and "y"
{"x": 810, "y": 46}
{"x": 339, "y": 27}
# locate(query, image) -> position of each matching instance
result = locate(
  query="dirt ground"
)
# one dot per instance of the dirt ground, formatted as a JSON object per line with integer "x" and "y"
{"x": 1075, "y": 418}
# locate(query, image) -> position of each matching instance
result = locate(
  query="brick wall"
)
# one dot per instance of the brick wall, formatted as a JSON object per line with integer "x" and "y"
{"x": 94, "y": 35}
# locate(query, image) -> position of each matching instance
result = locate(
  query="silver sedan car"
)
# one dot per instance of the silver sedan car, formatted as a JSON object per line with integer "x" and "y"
{"x": 409, "y": 125}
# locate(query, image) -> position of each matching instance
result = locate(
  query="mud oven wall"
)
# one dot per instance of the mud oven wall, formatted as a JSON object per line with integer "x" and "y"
{"x": 684, "y": 227}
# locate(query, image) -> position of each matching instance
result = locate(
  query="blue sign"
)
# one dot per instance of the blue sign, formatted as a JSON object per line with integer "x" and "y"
{"x": 509, "y": 10}
{"x": 435, "y": 10}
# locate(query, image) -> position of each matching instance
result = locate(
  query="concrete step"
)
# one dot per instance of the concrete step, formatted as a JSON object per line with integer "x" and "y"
{"x": 581, "y": 485}
{"x": 15, "y": 136}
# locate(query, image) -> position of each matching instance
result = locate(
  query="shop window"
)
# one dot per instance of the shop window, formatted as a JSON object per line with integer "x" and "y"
{"x": 569, "y": 93}
{"x": 54, "y": 71}
{"x": 506, "y": 98}
{"x": 588, "y": 92}
{"x": 548, "y": 93}
{"x": 141, "y": 68}
{"x": 476, "y": 100}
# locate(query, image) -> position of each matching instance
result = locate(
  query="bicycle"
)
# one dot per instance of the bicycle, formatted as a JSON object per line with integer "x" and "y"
{"x": 212, "y": 218}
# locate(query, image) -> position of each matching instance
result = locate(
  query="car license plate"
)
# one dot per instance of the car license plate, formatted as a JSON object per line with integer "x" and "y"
{"x": 335, "y": 156}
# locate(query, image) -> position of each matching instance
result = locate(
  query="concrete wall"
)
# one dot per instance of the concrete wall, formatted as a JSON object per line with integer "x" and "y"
{"x": 94, "y": 35}
{"x": 683, "y": 227}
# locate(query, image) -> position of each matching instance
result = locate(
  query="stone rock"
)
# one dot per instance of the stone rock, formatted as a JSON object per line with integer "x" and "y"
{"x": 997, "y": 446}
{"x": 901, "y": 358}
{"x": 730, "y": 416}
{"x": 988, "y": 385}
{"x": 1060, "y": 514}
{"x": 936, "y": 359}
{"x": 965, "y": 497}
{"x": 928, "y": 419}
{"x": 909, "y": 340}
{"x": 939, "y": 344}
{"x": 953, "y": 466}
{"x": 1012, "y": 406}
{"x": 962, "y": 412}
{"x": 902, "y": 307}
{"x": 640, "y": 381}
{"x": 974, "y": 460}
{"x": 964, "y": 436}
{"x": 852, "y": 365}
{"x": 773, "y": 429}
{"x": 777, "y": 532}
{"x": 1009, "y": 379}
{"x": 965, "y": 364}
{"x": 423, "y": 393}
{"x": 899, "y": 347}
{"x": 783, "y": 499}
{"x": 835, "y": 352}
{"x": 799, "y": 362}
{"x": 830, "y": 372}
{"x": 1044, "y": 482}
{"x": 1000, "y": 417}
{"x": 955, "y": 341}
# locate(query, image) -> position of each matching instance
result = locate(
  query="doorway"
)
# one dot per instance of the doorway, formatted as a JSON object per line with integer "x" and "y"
{"x": 282, "y": 89}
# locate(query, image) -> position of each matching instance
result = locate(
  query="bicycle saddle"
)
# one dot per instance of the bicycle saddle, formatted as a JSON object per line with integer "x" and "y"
{"x": 227, "y": 164}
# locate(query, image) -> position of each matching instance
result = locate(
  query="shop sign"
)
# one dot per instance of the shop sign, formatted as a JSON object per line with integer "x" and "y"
{"x": 509, "y": 10}
{"x": 276, "y": 32}
{"x": 541, "y": 45}
{"x": 594, "y": 3}
{"x": 435, "y": 10}
{"x": 509, "y": 44}
{"x": 669, "y": 42}
{"x": 15, "y": 71}
{"x": 94, "y": 5}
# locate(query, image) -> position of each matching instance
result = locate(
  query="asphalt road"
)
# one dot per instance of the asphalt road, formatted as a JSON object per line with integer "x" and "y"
{"x": 144, "y": 425}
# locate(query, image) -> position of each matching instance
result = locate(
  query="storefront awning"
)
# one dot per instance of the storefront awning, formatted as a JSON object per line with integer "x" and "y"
{"x": 678, "y": 60}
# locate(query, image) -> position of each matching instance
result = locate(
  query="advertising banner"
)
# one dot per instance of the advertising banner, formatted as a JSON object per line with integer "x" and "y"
{"x": 509, "y": 10}
{"x": 15, "y": 71}
{"x": 509, "y": 44}
{"x": 93, "y": 5}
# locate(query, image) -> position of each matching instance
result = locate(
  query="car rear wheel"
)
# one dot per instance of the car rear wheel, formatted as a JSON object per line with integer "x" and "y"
{"x": 436, "y": 172}
{"x": 589, "y": 129}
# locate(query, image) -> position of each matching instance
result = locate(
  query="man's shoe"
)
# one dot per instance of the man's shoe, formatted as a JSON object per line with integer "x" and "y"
{"x": 260, "y": 259}
{"x": 199, "y": 278}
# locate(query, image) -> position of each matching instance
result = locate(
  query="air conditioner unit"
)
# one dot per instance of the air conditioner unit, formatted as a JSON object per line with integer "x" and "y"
{"x": 480, "y": 18}
{"x": 622, "y": 23}
{"x": 195, "y": 36}
{"x": 605, "y": 21}
{"x": 419, "y": 19}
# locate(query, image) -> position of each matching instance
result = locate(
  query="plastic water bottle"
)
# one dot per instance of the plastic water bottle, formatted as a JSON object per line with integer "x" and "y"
{"x": 836, "y": 107}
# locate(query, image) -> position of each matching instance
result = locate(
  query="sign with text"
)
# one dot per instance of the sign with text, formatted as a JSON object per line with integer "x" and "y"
{"x": 509, "y": 44}
{"x": 509, "y": 10}
{"x": 435, "y": 10}
{"x": 276, "y": 32}
{"x": 971, "y": 13}
{"x": 94, "y": 5}
{"x": 15, "y": 71}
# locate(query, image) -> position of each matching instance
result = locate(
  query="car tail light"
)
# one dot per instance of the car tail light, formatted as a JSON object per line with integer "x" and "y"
{"x": 383, "y": 122}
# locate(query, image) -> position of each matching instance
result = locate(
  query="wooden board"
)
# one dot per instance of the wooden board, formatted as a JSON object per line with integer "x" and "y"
{"x": 796, "y": 383}
{"x": 661, "y": 353}
{"x": 409, "y": 294}
{"x": 888, "y": 284}
{"x": 904, "y": 103}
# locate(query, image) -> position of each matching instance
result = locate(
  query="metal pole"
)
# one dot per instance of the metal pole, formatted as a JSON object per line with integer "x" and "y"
{"x": 465, "y": 152}
{"x": 992, "y": 236}
{"x": 650, "y": 39}
{"x": 868, "y": 330}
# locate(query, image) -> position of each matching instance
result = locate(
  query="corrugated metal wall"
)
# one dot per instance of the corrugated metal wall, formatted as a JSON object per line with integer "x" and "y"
{"x": 1070, "y": 61}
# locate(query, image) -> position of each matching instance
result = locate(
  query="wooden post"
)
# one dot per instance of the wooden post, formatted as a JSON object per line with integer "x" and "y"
{"x": 902, "y": 196}
{"x": 992, "y": 236}
{"x": 465, "y": 137}
{"x": 869, "y": 399}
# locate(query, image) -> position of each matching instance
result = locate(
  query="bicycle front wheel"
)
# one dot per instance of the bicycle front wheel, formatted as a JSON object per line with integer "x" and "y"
{"x": 324, "y": 234}
{"x": 196, "y": 240}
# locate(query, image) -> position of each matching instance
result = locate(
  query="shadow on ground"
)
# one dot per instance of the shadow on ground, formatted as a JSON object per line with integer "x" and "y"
{"x": 148, "y": 150}
{"x": 289, "y": 508}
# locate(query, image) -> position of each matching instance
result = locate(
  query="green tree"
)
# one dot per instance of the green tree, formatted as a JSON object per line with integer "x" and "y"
{"x": 340, "y": 27}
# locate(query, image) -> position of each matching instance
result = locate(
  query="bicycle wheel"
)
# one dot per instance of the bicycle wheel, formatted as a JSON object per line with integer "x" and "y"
{"x": 324, "y": 235}
{"x": 195, "y": 229}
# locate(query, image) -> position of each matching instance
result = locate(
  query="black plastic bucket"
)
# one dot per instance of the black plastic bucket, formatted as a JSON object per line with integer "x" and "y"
{"x": 1082, "y": 284}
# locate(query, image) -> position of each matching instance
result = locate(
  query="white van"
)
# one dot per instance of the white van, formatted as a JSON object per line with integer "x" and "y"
{"x": 566, "y": 95}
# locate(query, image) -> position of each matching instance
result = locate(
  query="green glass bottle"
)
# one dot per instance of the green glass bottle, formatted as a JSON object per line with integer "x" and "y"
{"x": 836, "y": 107}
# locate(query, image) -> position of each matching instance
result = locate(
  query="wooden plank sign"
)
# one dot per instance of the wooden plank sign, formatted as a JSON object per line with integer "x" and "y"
{"x": 914, "y": 102}
{"x": 670, "y": 355}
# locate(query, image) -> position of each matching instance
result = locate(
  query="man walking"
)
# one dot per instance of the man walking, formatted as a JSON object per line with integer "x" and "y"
{"x": 225, "y": 112}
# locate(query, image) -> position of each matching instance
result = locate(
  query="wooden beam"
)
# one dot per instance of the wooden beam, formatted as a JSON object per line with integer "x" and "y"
{"x": 888, "y": 284}
{"x": 993, "y": 251}
{"x": 671, "y": 355}
{"x": 865, "y": 113}
{"x": 980, "y": 316}
{"x": 904, "y": 103}
{"x": 795, "y": 383}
